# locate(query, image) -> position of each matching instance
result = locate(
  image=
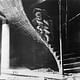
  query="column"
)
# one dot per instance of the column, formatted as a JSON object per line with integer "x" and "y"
{"x": 5, "y": 47}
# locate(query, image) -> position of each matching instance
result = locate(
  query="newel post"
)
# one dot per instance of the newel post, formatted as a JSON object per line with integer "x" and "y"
{"x": 5, "y": 46}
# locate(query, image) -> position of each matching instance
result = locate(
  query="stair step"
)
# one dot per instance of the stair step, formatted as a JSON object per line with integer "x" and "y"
{"x": 72, "y": 71}
{"x": 71, "y": 66}
{"x": 71, "y": 61}
{"x": 71, "y": 58}
{"x": 65, "y": 56}
{"x": 58, "y": 57}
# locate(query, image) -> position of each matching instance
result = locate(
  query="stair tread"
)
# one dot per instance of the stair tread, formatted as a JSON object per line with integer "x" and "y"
{"x": 72, "y": 63}
{"x": 71, "y": 58}
{"x": 72, "y": 68}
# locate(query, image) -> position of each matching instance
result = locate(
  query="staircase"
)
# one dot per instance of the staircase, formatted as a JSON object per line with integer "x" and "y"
{"x": 71, "y": 62}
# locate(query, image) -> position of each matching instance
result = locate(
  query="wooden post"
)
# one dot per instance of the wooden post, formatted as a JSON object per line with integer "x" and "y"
{"x": 5, "y": 46}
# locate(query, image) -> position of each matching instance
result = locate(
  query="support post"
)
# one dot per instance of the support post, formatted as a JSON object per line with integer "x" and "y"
{"x": 5, "y": 46}
{"x": 60, "y": 40}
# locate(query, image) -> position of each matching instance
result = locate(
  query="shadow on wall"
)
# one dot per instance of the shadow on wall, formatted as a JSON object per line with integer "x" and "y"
{"x": 30, "y": 53}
